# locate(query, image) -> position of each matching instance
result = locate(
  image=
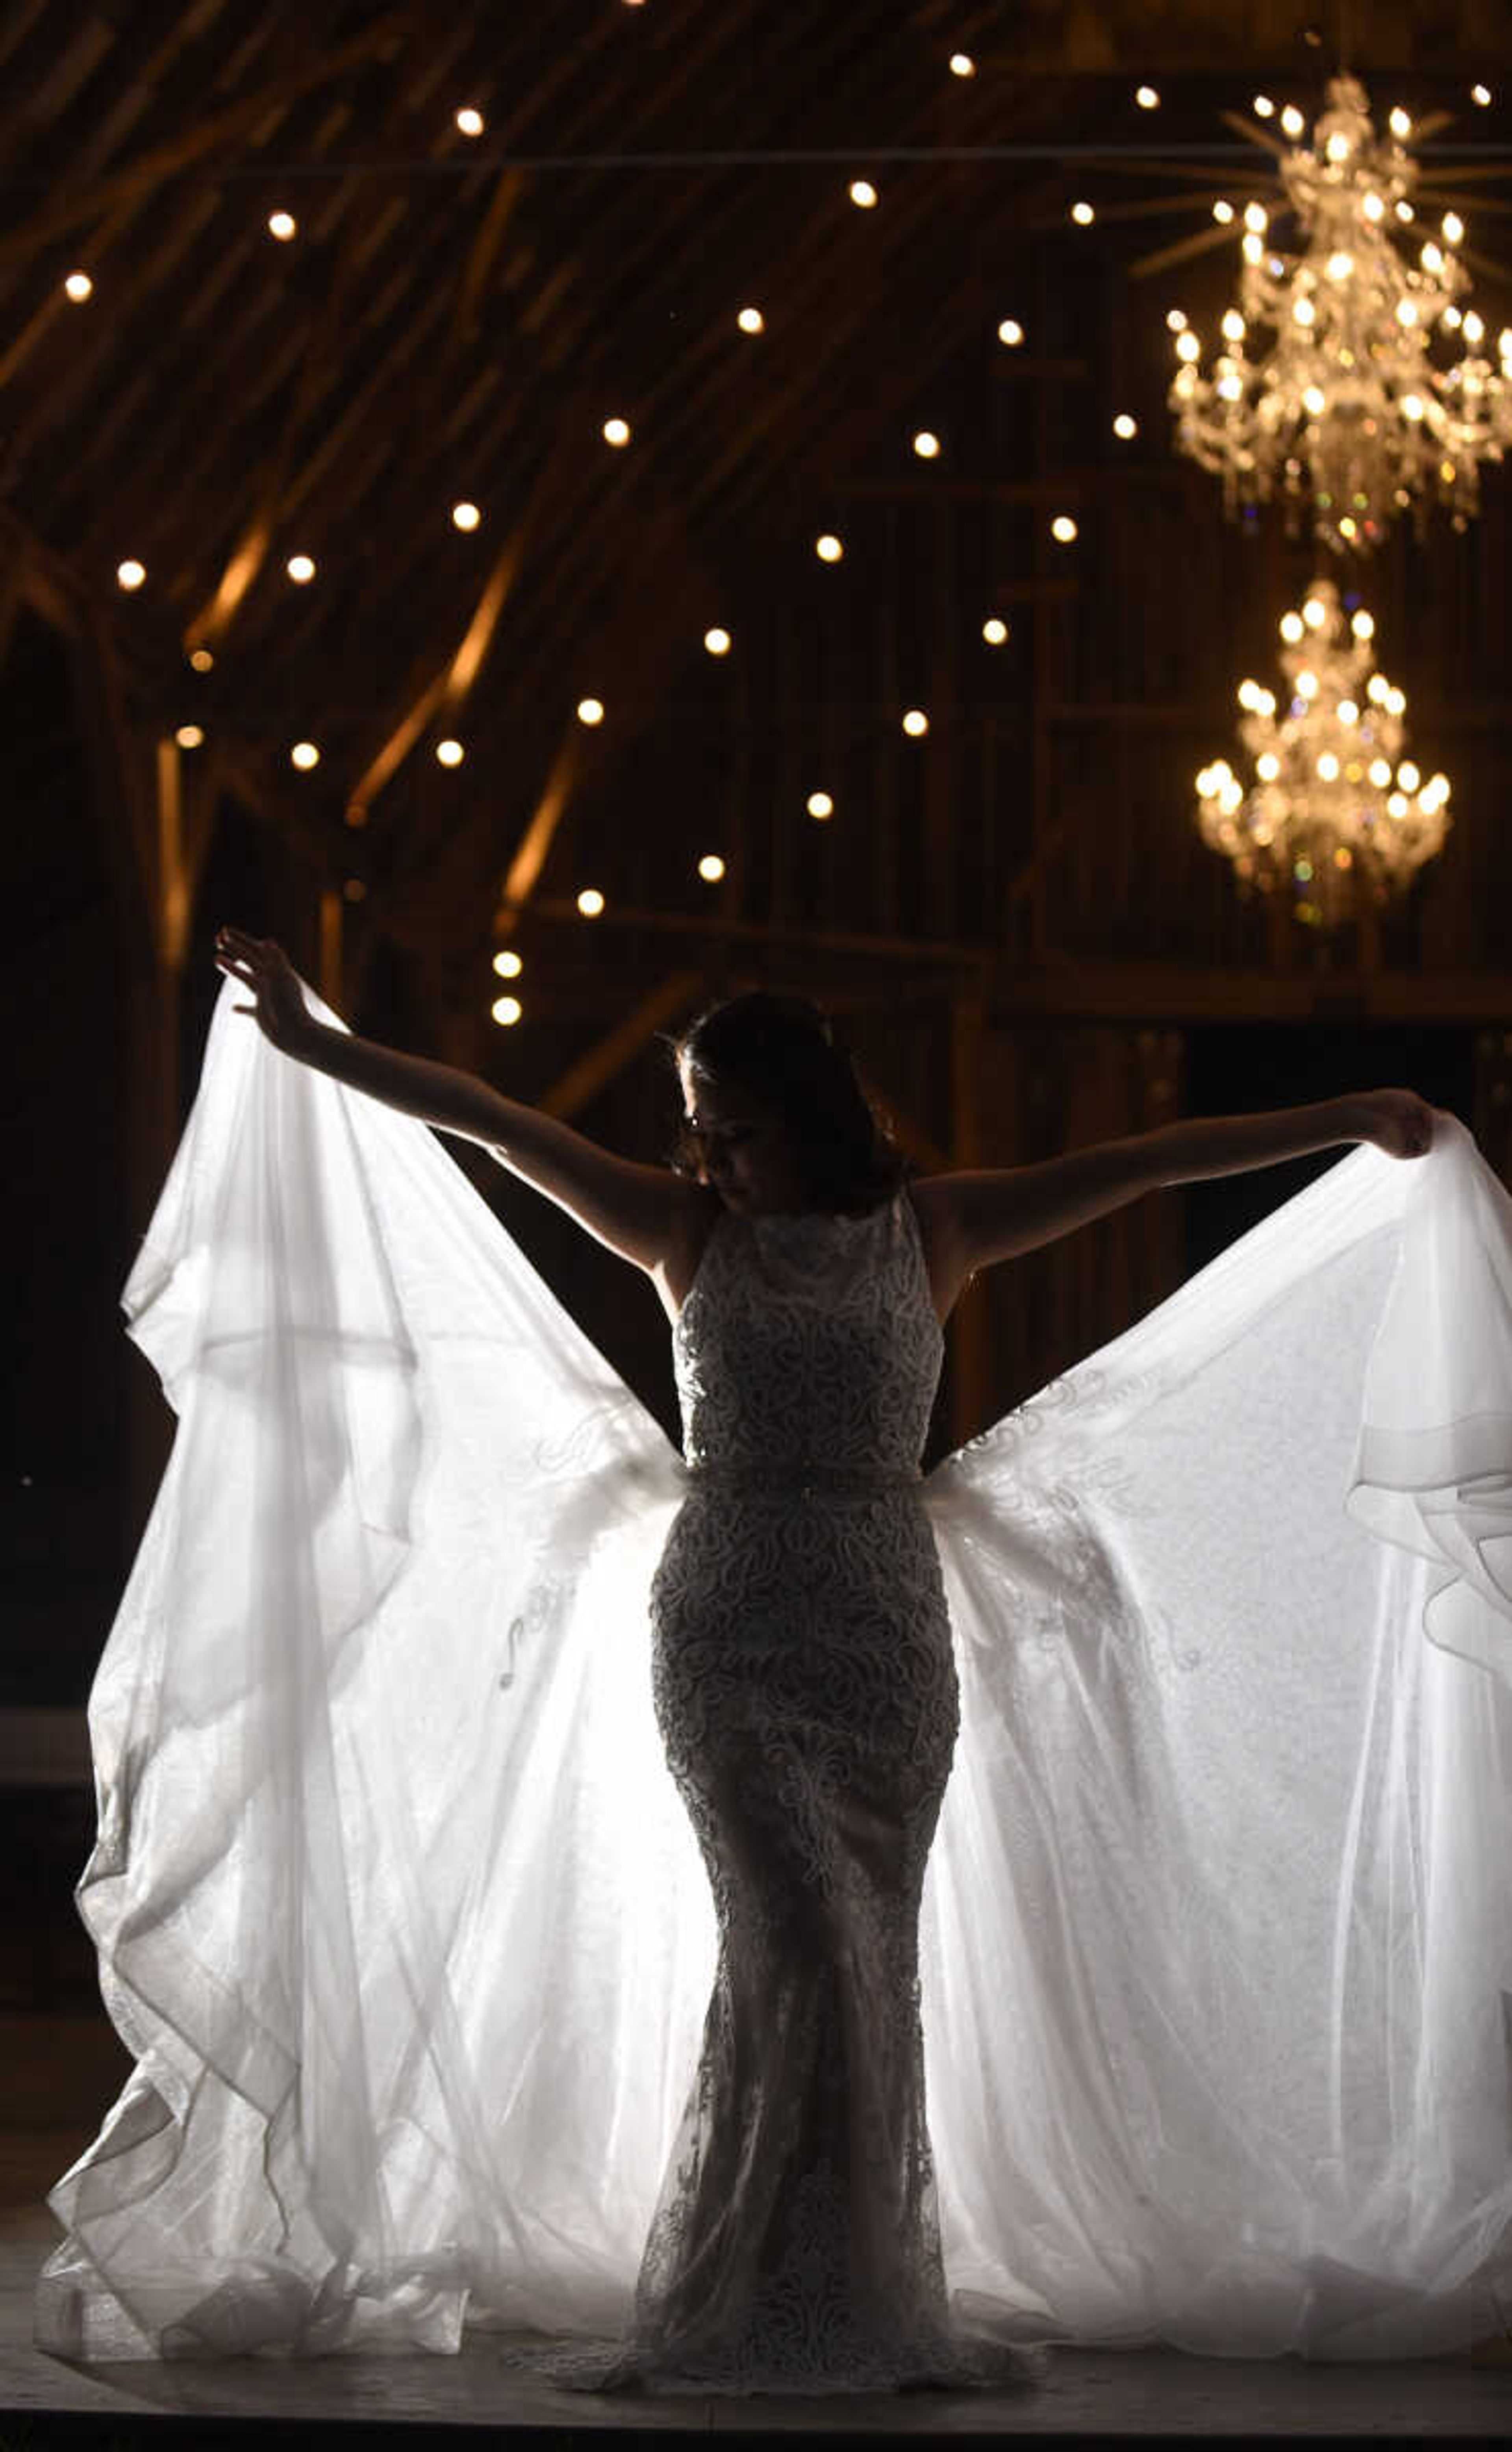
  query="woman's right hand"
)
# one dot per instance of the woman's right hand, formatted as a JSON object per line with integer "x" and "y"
{"x": 261, "y": 964}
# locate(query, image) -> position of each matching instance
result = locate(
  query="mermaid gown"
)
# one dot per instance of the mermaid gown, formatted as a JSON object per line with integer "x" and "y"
{"x": 806, "y": 1694}
{"x": 450, "y": 2009}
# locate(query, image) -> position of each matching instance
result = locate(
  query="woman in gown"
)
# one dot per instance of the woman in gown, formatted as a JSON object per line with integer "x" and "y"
{"x": 802, "y": 1665}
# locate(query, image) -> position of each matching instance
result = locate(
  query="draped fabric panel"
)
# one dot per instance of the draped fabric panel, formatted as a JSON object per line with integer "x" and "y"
{"x": 400, "y": 1917}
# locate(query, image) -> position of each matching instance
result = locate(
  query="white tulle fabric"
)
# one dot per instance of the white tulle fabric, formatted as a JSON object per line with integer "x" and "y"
{"x": 402, "y": 1919}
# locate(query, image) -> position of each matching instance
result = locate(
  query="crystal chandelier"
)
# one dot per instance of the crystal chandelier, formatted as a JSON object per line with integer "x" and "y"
{"x": 1374, "y": 393}
{"x": 1334, "y": 814}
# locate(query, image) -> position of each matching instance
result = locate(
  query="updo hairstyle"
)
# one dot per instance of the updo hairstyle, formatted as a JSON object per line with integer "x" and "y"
{"x": 781, "y": 1050}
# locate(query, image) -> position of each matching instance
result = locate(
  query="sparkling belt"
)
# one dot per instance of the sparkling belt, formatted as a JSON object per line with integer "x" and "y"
{"x": 807, "y": 1478}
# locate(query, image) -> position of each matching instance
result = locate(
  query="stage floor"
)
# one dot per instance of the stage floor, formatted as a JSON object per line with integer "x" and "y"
{"x": 1091, "y": 2395}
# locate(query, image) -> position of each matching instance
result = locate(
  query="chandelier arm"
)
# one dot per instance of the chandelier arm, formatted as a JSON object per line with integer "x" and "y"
{"x": 1181, "y": 252}
{"x": 1267, "y": 142}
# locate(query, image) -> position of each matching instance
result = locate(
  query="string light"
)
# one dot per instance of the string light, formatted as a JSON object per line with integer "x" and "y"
{"x": 820, "y": 805}
{"x": 189, "y": 735}
{"x": 300, "y": 568}
{"x": 717, "y": 641}
{"x": 590, "y": 710}
{"x": 590, "y": 902}
{"x": 995, "y": 630}
{"x": 507, "y": 963}
{"x": 862, "y": 193}
{"x": 1262, "y": 106}
{"x": 465, "y": 514}
{"x": 1321, "y": 818}
{"x": 1082, "y": 213}
{"x": 1010, "y": 333}
{"x": 281, "y": 226}
{"x": 1064, "y": 529}
{"x": 1147, "y": 97}
{"x": 616, "y": 432}
{"x": 1481, "y": 94}
{"x": 829, "y": 548}
{"x": 751, "y": 320}
{"x": 129, "y": 575}
{"x": 926, "y": 445}
{"x": 507, "y": 1010}
{"x": 1345, "y": 403}
{"x": 304, "y": 755}
{"x": 470, "y": 121}
{"x": 711, "y": 868}
{"x": 1126, "y": 427}
{"x": 450, "y": 752}
{"x": 962, "y": 64}
{"x": 79, "y": 287}
{"x": 915, "y": 723}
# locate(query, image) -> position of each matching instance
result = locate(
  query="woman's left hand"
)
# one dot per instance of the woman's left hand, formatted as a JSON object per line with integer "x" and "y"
{"x": 1397, "y": 1121}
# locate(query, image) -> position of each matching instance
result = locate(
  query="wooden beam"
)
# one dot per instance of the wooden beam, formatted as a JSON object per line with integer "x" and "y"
{"x": 716, "y": 927}
{"x": 582, "y": 1081}
{"x": 67, "y": 208}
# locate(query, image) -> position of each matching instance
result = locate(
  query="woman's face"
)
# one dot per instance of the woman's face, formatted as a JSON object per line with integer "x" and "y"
{"x": 748, "y": 1159}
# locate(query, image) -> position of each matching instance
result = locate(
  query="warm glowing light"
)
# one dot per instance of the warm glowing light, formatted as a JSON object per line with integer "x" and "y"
{"x": 915, "y": 723}
{"x": 1147, "y": 97}
{"x": 1010, "y": 333}
{"x": 202, "y": 659}
{"x": 470, "y": 121}
{"x": 1262, "y": 106}
{"x": 1481, "y": 94}
{"x": 1363, "y": 625}
{"x": 616, "y": 432}
{"x": 450, "y": 752}
{"x": 189, "y": 735}
{"x": 751, "y": 320}
{"x": 995, "y": 630}
{"x": 1339, "y": 264}
{"x": 590, "y": 902}
{"x": 465, "y": 514}
{"x": 827, "y": 548}
{"x": 820, "y": 805}
{"x": 1082, "y": 213}
{"x": 1292, "y": 121}
{"x": 1315, "y": 612}
{"x": 862, "y": 193}
{"x": 1291, "y": 626}
{"x": 79, "y": 286}
{"x": 301, "y": 569}
{"x": 304, "y": 755}
{"x": 507, "y": 1010}
{"x": 717, "y": 641}
{"x": 1223, "y": 211}
{"x": 711, "y": 868}
{"x": 507, "y": 963}
{"x": 1126, "y": 427}
{"x": 962, "y": 64}
{"x": 281, "y": 226}
{"x": 1063, "y": 528}
{"x": 590, "y": 710}
{"x": 1314, "y": 401}
{"x": 927, "y": 446}
{"x": 1188, "y": 348}
{"x": 1400, "y": 125}
{"x": 129, "y": 575}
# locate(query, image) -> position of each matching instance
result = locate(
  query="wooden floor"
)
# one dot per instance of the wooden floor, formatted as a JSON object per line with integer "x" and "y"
{"x": 1091, "y": 2396}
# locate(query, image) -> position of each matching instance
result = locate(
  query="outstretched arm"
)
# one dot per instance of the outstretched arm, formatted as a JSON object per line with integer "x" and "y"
{"x": 646, "y": 1214}
{"x": 973, "y": 1219}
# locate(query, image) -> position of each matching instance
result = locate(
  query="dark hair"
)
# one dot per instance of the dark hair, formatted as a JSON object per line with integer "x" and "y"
{"x": 782, "y": 1049}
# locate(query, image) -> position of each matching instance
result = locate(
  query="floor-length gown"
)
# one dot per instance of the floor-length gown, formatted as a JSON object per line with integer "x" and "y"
{"x": 806, "y": 1692}
{"x": 404, "y": 1922}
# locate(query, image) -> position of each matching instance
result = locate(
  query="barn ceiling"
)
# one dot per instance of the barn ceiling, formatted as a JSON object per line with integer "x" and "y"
{"x": 455, "y": 317}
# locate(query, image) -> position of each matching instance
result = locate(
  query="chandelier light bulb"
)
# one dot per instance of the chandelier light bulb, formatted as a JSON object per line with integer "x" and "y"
{"x": 1292, "y": 121}
{"x": 1329, "y": 819}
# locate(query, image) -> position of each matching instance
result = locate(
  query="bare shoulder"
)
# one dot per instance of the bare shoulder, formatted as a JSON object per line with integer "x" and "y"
{"x": 936, "y": 1209}
{"x": 695, "y": 1210}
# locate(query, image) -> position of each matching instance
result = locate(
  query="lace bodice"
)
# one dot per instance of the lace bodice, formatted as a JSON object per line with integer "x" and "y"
{"x": 809, "y": 1341}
